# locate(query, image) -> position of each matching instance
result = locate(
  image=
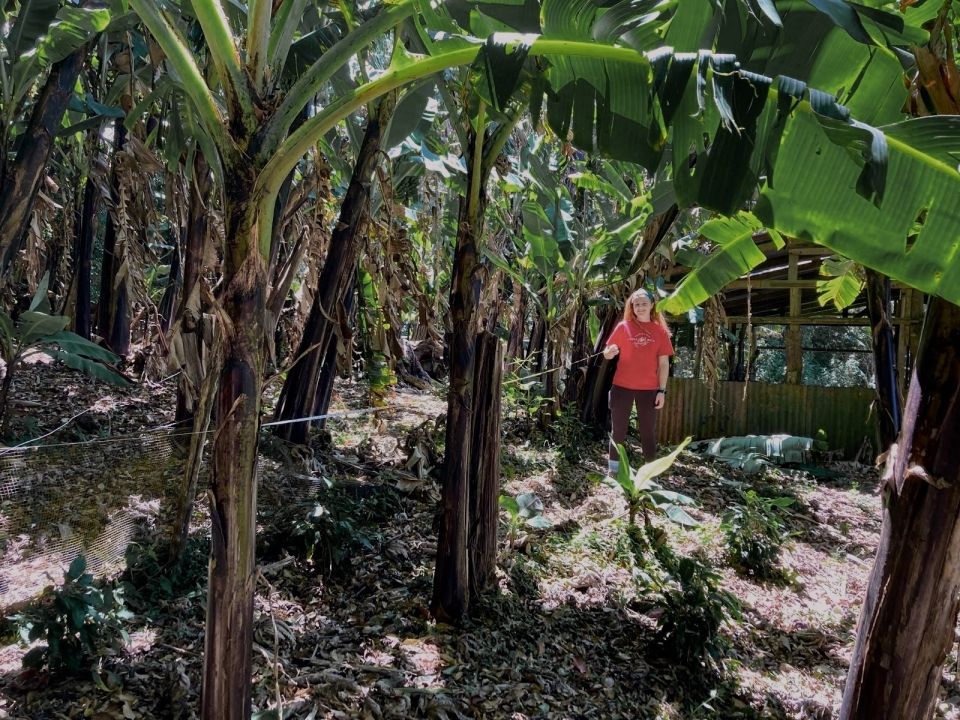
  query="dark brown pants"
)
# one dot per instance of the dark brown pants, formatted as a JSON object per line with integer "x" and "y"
{"x": 621, "y": 401}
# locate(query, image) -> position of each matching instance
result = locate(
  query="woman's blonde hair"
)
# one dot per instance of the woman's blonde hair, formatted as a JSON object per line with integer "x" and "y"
{"x": 655, "y": 315}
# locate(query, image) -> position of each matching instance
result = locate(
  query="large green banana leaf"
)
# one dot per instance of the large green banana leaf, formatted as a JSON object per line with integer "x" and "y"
{"x": 913, "y": 235}
{"x": 706, "y": 95}
{"x": 741, "y": 129}
{"x": 33, "y": 19}
{"x": 735, "y": 255}
{"x": 838, "y": 48}
{"x": 603, "y": 106}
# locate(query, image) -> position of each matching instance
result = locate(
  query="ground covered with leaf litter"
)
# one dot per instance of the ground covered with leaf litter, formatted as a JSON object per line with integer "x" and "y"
{"x": 346, "y": 549}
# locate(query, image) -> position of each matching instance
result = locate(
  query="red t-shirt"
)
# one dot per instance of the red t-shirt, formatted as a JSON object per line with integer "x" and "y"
{"x": 641, "y": 344}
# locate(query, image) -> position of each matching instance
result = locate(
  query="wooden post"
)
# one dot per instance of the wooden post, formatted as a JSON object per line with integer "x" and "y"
{"x": 794, "y": 337}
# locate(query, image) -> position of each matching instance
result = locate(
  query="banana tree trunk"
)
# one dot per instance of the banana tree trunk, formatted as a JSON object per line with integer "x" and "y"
{"x": 906, "y": 627}
{"x": 451, "y": 580}
{"x": 485, "y": 462}
{"x": 19, "y": 188}
{"x": 594, "y": 405}
{"x": 300, "y": 392}
{"x": 227, "y": 666}
{"x": 551, "y": 383}
{"x": 196, "y": 231}
{"x": 538, "y": 338}
{"x": 118, "y": 337}
{"x": 471, "y": 471}
{"x": 909, "y": 615}
{"x": 328, "y": 372}
{"x": 113, "y": 308}
{"x": 192, "y": 328}
{"x": 518, "y": 322}
{"x": 884, "y": 358}
{"x": 171, "y": 292}
{"x": 57, "y": 260}
{"x": 654, "y": 232}
{"x": 573, "y": 388}
{"x": 83, "y": 259}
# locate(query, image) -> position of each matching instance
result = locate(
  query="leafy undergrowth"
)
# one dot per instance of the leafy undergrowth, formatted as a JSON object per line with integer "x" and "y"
{"x": 342, "y": 628}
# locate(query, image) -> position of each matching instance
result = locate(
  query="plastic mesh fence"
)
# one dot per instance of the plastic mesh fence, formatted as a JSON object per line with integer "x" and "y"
{"x": 92, "y": 498}
{"x": 59, "y": 501}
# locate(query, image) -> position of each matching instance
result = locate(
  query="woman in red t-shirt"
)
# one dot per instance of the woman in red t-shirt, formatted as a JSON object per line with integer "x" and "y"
{"x": 642, "y": 340}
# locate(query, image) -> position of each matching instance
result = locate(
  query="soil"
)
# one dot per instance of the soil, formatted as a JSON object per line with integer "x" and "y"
{"x": 347, "y": 546}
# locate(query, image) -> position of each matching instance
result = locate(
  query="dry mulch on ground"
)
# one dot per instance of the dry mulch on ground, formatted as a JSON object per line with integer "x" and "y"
{"x": 567, "y": 633}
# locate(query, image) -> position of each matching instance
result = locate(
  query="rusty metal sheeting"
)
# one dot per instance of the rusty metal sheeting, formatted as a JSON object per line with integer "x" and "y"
{"x": 842, "y": 413}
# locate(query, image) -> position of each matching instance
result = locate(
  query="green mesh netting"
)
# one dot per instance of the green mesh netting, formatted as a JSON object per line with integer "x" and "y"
{"x": 61, "y": 500}
{"x": 94, "y": 498}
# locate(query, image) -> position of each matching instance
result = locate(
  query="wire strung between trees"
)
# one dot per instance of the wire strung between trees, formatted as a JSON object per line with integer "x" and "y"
{"x": 553, "y": 369}
{"x": 27, "y": 444}
{"x": 24, "y": 446}
{"x": 311, "y": 418}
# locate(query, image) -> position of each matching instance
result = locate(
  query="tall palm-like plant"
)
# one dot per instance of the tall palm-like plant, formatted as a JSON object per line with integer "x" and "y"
{"x": 42, "y": 42}
{"x": 909, "y": 608}
{"x": 614, "y": 90}
{"x": 246, "y": 126}
{"x": 246, "y": 122}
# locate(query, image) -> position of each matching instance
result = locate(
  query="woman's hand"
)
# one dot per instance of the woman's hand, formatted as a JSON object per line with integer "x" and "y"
{"x": 610, "y": 352}
{"x": 658, "y": 402}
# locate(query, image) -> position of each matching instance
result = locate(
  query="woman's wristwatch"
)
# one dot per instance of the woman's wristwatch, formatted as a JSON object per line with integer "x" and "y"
{"x": 661, "y": 391}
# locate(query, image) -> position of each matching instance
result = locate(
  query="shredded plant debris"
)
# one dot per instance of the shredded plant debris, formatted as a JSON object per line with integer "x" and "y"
{"x": 347, "y": 540}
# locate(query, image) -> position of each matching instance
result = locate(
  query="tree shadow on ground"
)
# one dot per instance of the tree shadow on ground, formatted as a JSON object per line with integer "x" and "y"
{"x": 568, "y": 452}
{"x": 360, "y": 643}
{"x": 573, "y": 483}
{"x": 810, "y": 522}
{"x": 804, "y": 647}
{"x": 597, "y": 660}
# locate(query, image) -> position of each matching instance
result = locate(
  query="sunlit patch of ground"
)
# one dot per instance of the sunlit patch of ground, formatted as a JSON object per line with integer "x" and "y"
{"x": 566, "y": 632}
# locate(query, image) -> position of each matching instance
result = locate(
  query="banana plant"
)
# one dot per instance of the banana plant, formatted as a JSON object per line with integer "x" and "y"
{"x": 42, "y": 40}
{"x": 37, "y": 330}
{"x": 524, "y": 510}
{"x": 41, "y": 33}
{"x": 622, "y": 83}
{"x": 644, "y": 495}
